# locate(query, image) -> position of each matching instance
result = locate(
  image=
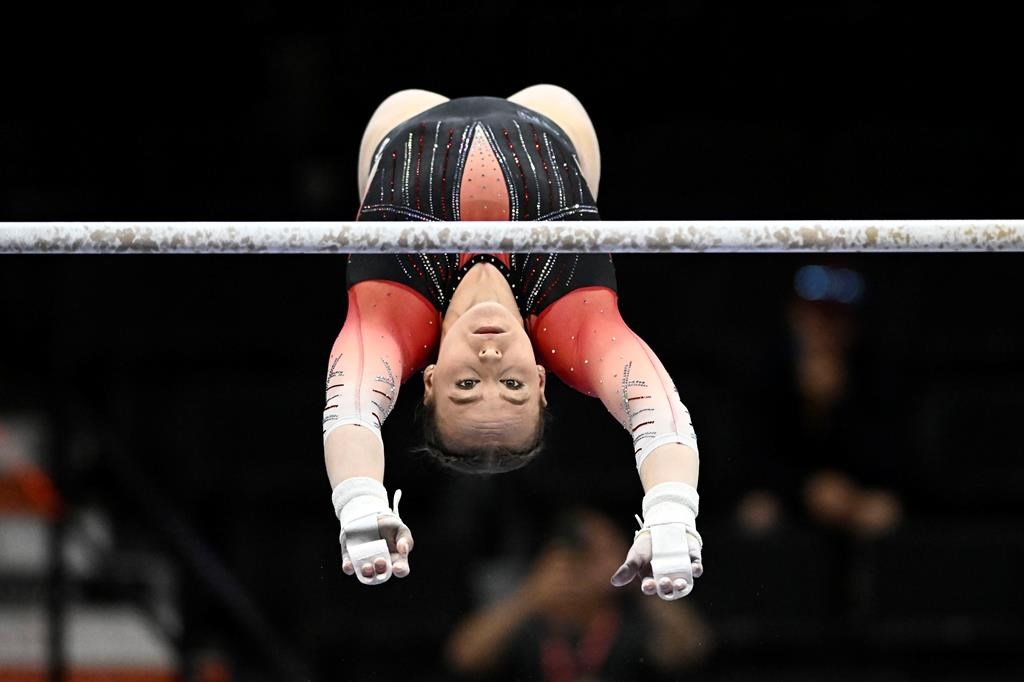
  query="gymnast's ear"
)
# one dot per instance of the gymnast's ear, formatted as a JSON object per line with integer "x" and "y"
{"x": 428, "y": 383}
{"x": 542, "y": 375}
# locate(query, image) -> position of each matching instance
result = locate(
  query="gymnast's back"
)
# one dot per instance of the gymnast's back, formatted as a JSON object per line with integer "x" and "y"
{"x": 477, "y": 158}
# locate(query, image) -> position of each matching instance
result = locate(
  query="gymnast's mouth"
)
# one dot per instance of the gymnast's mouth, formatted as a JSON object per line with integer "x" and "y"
{"x": 489, "y": 330}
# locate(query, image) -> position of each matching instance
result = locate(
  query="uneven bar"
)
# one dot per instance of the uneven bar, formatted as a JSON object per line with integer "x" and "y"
{"x": 606, "y": 236}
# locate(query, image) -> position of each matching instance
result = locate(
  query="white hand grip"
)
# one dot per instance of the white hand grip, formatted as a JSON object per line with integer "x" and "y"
{"x": 364, "y": 545}
{"x": 368, "y": 552}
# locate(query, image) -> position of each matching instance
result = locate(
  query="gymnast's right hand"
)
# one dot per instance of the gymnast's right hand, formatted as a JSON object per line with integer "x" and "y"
{"x": 375, "y": 543}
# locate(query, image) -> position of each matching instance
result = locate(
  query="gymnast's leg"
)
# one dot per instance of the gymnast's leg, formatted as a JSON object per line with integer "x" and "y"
{"x": 562, "y": 107}
{"x": 392, "y": 111}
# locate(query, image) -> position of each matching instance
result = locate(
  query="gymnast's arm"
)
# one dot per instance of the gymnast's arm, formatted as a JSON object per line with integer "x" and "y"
{"x": 602, "y": 357}
{"x": 388, "y": 332}
{"x": 596, "y": 353}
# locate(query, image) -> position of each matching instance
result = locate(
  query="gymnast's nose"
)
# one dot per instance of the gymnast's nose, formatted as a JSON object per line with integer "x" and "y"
{"x": 490, "y": 354}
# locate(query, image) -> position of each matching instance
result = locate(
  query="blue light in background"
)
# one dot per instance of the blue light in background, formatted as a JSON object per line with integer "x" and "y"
{"x": 822, "y": 283}
{"x": 849, "y": 286}
{"x": 811, "y": 282}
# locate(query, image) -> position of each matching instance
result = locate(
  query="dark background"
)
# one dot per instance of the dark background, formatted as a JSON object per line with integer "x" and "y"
{"x": 186, "y": 391}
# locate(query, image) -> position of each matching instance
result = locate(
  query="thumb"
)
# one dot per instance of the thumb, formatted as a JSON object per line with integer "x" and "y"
{"x": 625, "y": 574}
{"x": 403, "y": 540}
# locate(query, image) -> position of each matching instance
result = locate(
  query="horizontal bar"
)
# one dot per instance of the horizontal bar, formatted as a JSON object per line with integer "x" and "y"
{"x": 605, "y": 236}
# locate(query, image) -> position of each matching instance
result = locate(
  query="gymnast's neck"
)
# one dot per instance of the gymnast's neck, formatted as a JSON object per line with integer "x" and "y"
{"x": 483, "y": 283}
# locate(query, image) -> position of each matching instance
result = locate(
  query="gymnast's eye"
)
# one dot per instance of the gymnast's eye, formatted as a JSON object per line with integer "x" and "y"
{"x": 466, "y": 384}
{"x": 514, "y": 384}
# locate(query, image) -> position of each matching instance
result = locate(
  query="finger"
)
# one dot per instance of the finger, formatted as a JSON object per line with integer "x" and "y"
{"x": 405, "y": 542}
{"x": 627, "y": 571}
{"x": 399, "y": 566}
{"x": 367, "y": 570}
{"x": 380, "y": 565}
{"x": 630, "y": 569}
{"x": 346, "y": 562}
{"x": 624, "y": 575}
{"x": 648, "y": 586}
{"x": 672, "y": 587}
{"x": 696, "y": 561}
{"x": 670, "y": 590}
{"x": 397, "y": 534}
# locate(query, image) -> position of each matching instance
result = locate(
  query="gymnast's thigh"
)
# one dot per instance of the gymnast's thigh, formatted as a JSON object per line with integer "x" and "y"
{"x": 396, "y": 108}
{"x": 562, "y": 107}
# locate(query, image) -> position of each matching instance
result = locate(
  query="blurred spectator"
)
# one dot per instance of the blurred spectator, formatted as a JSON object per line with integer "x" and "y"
{"x": 829, "y": 463}
{"x": 566, "y": 622}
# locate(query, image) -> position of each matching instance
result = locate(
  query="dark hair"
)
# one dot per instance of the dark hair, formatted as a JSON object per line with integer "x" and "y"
{"x": 482, "y": 459}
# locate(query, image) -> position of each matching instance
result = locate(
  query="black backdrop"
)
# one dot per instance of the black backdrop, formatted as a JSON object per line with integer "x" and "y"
{"x": 205, "y": 371}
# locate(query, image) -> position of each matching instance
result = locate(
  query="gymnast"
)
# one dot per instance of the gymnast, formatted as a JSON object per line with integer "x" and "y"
{"x": 487, "y": 328}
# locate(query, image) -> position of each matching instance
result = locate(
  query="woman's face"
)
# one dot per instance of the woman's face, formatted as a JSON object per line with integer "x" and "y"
{"x": 487, "y": 387}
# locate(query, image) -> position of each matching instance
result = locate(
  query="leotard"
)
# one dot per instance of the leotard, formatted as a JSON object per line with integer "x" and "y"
{"x": 524, "y": 168}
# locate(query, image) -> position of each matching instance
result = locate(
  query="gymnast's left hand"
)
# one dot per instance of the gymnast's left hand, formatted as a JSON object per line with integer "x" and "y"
{"x": 666, "y": 551}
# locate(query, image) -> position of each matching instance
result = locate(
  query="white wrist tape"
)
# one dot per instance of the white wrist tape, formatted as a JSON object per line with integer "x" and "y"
{"x": 672, "y": 502}
{"x": 359, "y": 496}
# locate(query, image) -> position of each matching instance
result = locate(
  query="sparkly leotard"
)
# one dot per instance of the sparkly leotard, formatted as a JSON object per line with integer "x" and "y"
{"x": 477, "y": 158}
{"x": 485, "y": 158}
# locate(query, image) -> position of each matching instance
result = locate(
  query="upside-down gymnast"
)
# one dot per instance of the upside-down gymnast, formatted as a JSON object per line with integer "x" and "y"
{"x": 487, "y": 328}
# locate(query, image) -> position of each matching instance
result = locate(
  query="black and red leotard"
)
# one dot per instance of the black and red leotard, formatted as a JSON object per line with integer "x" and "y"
{"x": 485, "y": 158}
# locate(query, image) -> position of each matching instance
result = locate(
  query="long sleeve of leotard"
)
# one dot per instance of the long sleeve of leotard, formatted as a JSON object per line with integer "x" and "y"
{"x": 583, "y": 339}
{"x": 388, "y": 333}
